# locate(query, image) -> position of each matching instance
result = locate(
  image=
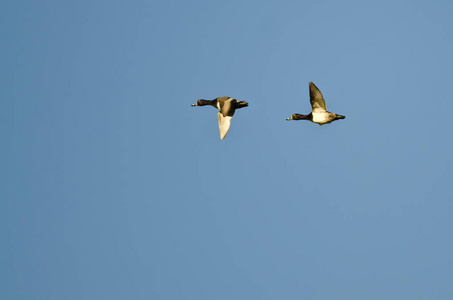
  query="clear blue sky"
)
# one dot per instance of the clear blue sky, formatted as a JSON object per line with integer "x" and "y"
{"x": 114, "y": 187}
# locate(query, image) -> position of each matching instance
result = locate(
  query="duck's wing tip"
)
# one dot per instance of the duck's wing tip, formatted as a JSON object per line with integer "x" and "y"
{"x": 316, "y": 99}
{"x": 224, "y": 124}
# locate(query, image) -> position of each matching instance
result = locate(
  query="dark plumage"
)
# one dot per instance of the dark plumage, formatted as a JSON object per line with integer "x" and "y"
{"x": 227, "y": 106}
{"x": 319, "y": 113}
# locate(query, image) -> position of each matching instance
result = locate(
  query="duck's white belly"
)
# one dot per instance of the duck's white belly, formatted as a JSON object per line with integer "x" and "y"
{"x": 321, "y": 118}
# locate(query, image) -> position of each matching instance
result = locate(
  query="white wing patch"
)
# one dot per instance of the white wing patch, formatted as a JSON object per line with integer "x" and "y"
{"x": 317, "y": 109}
{"x": 224, "y": 125}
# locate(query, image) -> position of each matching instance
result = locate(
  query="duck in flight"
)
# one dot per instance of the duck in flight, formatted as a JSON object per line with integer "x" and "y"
{"x": 319, "y": 113}
{"x": 227, "y": 106}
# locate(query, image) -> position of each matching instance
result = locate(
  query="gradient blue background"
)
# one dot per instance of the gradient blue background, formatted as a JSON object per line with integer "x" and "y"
{"x": 114, "y": 187}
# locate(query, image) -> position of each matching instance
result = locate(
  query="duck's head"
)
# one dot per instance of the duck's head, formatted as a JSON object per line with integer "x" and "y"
{"x": 201, "y": 102}
{"x": 299, "y": 117}
{"x": 293, "y": 117}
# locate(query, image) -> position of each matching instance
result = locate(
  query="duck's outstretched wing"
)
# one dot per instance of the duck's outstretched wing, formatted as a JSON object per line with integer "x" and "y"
{"x": 224, "y": 124}
{"x": 316, "y": 99}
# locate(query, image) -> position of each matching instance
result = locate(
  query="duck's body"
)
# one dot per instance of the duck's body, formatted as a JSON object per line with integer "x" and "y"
{"x": 226, "y": 106}
{"x": 319, "y": 113}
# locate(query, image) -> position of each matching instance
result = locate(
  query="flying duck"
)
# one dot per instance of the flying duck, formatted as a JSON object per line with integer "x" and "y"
{"x": 319, "y": 113}
{"x": 227, "y": 106}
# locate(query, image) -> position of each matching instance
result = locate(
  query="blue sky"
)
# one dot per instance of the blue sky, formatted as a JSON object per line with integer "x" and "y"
{"x": 114, "y": 187}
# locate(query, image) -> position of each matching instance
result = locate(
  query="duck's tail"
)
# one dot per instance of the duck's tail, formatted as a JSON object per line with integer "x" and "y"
{"x": 241, "y": 104}
{"x": 337, "y": 117}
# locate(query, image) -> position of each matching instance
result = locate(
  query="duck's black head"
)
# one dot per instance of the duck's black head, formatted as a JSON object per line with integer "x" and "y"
{"x": 202, "y": 102}
{"x": 300, "y": 117}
